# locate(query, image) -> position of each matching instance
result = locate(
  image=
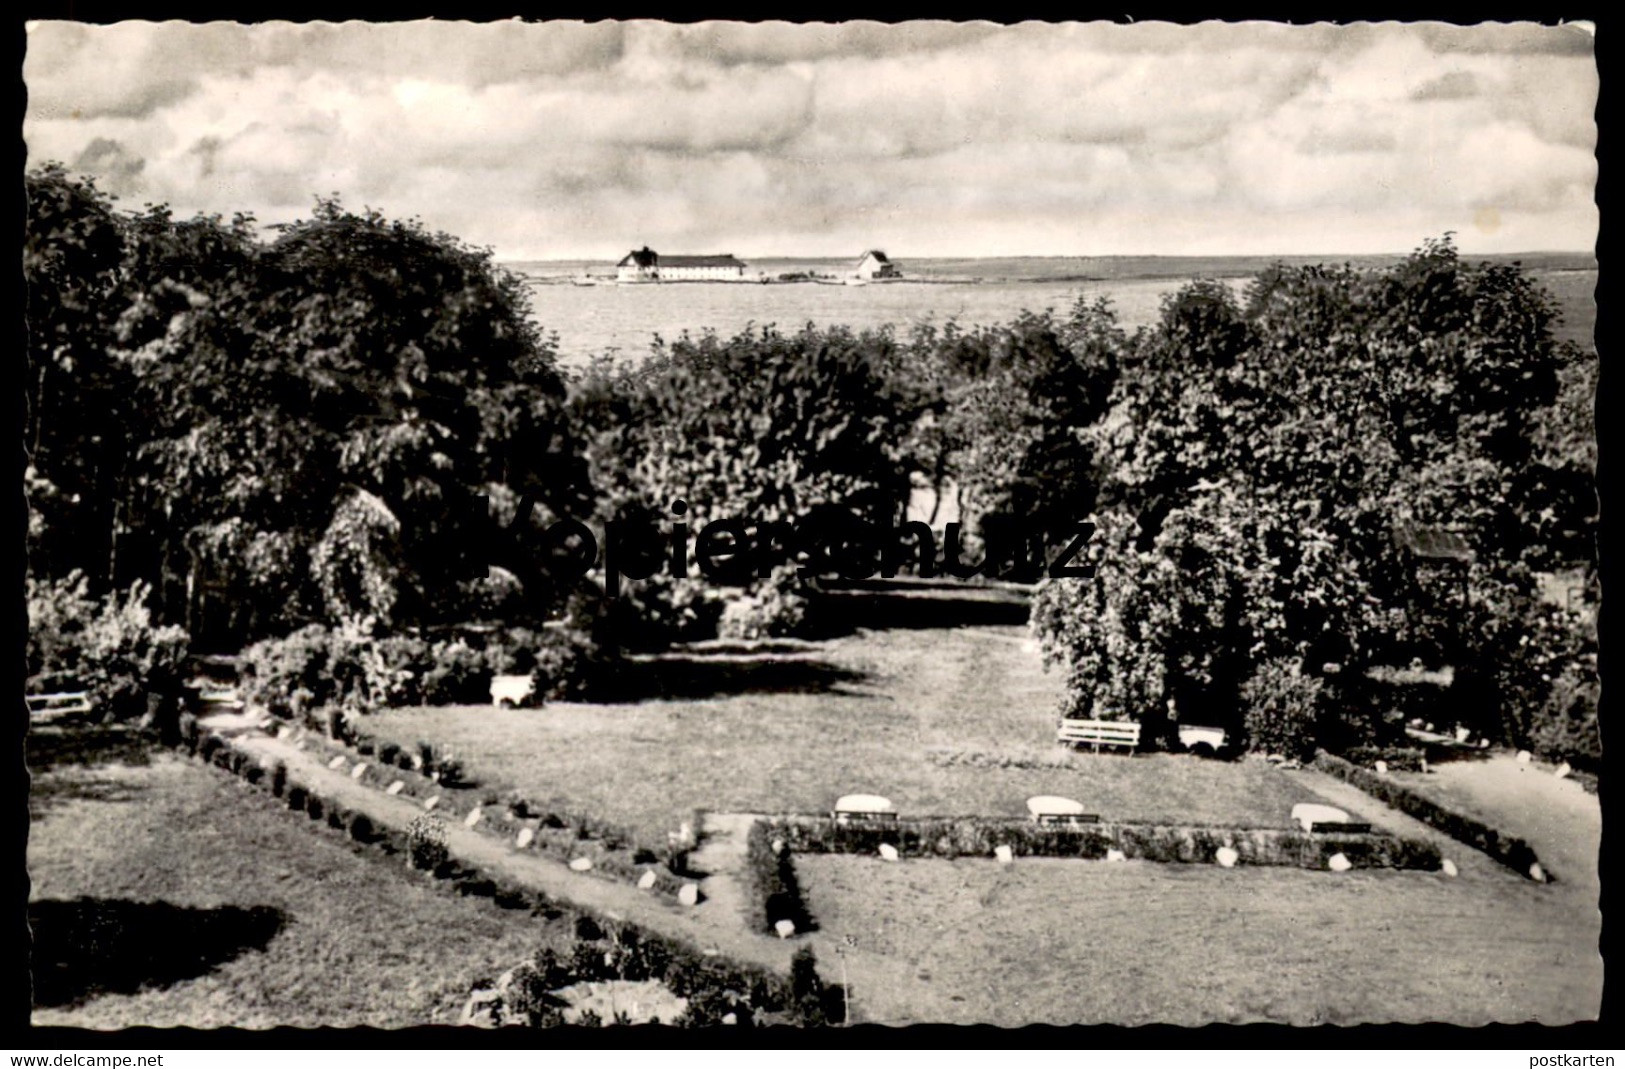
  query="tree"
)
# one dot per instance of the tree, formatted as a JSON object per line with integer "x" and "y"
{"x": 1282, "y": 439}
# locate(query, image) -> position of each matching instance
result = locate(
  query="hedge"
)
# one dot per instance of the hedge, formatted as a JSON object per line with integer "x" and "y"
{"x": 706, "y": 978}
{"x": 1507, "y": 849}
{"x": 952, "y": 837}
{"x": 772, "y": 892}
{"x": 612, "y": 848}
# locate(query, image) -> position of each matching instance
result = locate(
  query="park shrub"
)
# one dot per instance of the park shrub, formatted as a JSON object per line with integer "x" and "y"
{"x": 187, "y": 726}
{"x": 1511, "y": 851}
{"x": 426, "y": 843}
{"x": 1565, "y": 728}
{"x": 314, "y": 806}
{"x": 775, "y": 608}
{"x": 295, "y": 797}
{"x": 208, "y": 746}
{"x": 457, "y": 674}
{"x": 279, "y": 779}
{"x": 109, "y": 647}
{"x": 1282, "y": 709}
{"x": 772, "y": 893}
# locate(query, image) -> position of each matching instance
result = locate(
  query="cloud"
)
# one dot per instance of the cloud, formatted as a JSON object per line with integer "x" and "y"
{"x": 571, "y": 138}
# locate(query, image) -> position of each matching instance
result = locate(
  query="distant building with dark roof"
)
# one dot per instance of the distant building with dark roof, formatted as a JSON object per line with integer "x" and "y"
{"x": 875, "y": 265}
{"x": 646, "y": 265}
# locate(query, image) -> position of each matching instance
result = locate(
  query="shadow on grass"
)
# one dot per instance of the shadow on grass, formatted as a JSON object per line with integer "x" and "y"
{"x": 842, "y": 612}
{"x": 689, "y": 677}
{"x": 92, "y": 946}
{"x": 66, "y": 743}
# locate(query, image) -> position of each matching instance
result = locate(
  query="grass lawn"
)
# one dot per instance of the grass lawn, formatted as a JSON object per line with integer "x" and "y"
{"x": 1057, "y": 941}
{"x": 951, "y": 722}
{"x": 166, "y": 893}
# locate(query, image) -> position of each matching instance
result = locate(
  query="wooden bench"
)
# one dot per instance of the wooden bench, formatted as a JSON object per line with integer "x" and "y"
{"x": 1098, "y": 733}
{"x": 54, "y": 704}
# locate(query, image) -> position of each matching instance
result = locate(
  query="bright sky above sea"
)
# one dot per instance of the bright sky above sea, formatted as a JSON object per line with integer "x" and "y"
{"x": 559, "y": 140}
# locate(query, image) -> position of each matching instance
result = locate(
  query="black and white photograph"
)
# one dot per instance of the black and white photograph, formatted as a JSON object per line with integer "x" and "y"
{"x": 720, "y": 525}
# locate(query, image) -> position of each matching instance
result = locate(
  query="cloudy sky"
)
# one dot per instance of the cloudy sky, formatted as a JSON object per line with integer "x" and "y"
{"x": 565, "y": 140}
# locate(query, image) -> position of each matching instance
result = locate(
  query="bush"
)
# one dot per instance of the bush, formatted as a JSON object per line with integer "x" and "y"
{"x": 774, "y": 609}
{"x": 279, "y": 779}
{"x": 289, "y": 675}
{"x": 426, "y": 843}
{"x": 111, "y": 648}
{"x": 572, "y": 665}
{"x": 1282, "y": 709}
{"x": 807, "y": 989}
{"x": 458, "y": 674}
{"x": 1565, "y": 728}
{"x": 512, "y": 651}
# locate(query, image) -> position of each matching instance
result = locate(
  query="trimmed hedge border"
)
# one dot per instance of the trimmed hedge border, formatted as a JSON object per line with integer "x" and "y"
{"x": 1507, "y": 849}
{"x": 773, "y": 893}
{"x": 689, "y": 971}
{"x": 953, "y": 837}
{"x": 565, "y": 836}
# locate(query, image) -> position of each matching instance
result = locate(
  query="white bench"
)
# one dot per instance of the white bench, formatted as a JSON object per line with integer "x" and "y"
{"x": 863, "y": 809}
{"x": 1098, "y": 733}
{"x": 1053, "y": 809}
{"x": 508, "y": 692}
{"x": 55, "y": 704}
{"x": 1191, "y": 736}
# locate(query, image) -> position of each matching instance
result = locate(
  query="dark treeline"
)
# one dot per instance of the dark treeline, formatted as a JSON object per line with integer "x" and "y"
{"x": 240, "y": 437}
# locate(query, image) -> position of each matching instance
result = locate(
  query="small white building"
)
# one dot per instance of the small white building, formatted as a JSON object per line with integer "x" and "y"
{"x": 875, "y": 265}
{"x": 646, "y": 265}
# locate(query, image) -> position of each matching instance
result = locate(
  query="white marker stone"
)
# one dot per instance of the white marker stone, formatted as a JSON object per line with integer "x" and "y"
{"x": 785, "y": 928}
{"x": 473, "y": 817}
{"x": 525, "y": 838}
{"x": 1424, "y": 765}
{"x": 358, "y": 771}
{"x": 647, "y": 880}
{"x": 431, "y": 803}
{"x": 1462, "y": 733}
{"x": 1562, "y": 770}
{"x": 888, "y": 852}
{"x": 283, "y": 732}
{"x": 417, "y": 761}
{"x": 1382, "y": 768}
{"x": 1430, "y": 727}
{"x": 686, "y": 832}
{"x": 1339, "y": 863}
{"x": 1448, "y": 867}
{"x": 1004, "y": 854}
{"x": 689, "y": 894}
{"x": 730, "y": 1018}
{"x": 397, "y": 787}
{"x": 1226, "y": 856}
{"x": 778, "y": 846}
{"x": 336, "y": 763}
{"x": 1537, "y": 873}
{"x": 1116, "y": 855}
{"x": 581, "y": 864}
{"x": 1524, "y": 757}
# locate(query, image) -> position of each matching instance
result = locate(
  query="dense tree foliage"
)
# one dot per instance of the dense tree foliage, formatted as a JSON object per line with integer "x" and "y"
{"x": 273, "y": 432}
{"x": 1260, "y": 455}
